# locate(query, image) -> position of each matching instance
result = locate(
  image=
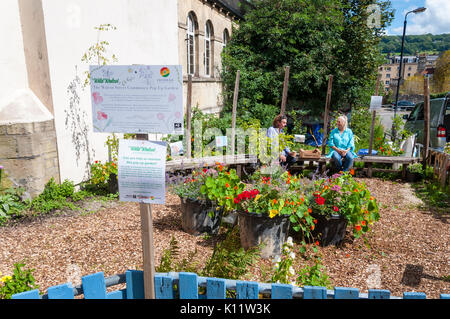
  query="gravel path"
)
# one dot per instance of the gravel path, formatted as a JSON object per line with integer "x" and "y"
{"x": 408, "y": 249}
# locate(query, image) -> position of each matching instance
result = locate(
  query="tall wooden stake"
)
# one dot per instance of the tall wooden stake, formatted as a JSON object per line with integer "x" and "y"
{"x": 148, "y": 251}
{"x": 188, "y": 118}
{"x": 426, "y": 122}
{"x": 233, "y": 119}
{"x": 327, "y": 110}
{"x": 285, "y": 90}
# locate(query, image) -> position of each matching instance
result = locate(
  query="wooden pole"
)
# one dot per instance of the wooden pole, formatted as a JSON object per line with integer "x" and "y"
{"x": 426, "y": 122}
{"x": 327, "y": 110}
{"x": 148, "y": 251}
{"x": 188, "y": 118}
{"x": 285, "y": 90}
{"x": 233, "y": 119}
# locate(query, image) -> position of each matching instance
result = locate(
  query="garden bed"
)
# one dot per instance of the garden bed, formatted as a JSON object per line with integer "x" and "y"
{"x": 409, "y": 245}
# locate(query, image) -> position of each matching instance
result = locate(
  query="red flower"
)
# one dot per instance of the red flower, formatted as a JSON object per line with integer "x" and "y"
{"x": 317, "y": 243}
{"x": 320, "y": 200}
{"x": 227, "y": 185}
{"x": 205, "y": 170}
{"x": 336, "y": 209}
{"x": 363, "y": 223}
{"x": 315, "y": 221}
{"x": 358, "y": 228}
{"x": 236, "y": 200}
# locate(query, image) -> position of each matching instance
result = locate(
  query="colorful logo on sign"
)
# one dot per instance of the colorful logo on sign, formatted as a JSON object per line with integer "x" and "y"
{"x": 165, "y": 72}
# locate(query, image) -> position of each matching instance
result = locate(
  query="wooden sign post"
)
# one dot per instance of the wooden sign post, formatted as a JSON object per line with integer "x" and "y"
{"x": 233, "y": 119}
{"x": 372, "y": 126}
{"x": 147, "y": 243}
{"x": 426, "y": 122}
{"x": 188, "y": 118}
{"x": 327, "y": 110}
{"x": 285, "y": 90}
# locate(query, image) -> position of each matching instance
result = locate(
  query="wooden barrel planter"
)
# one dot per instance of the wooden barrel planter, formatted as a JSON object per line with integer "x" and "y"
{"x": 196, "y": 216}
{"x": 330, "y": 229}
{"x": 256, "y": 229}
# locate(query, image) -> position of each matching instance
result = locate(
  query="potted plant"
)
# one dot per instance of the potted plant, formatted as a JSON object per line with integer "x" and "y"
{"x": 338, "y": 201}
{"x": 414, "y": 172}
{"x": 199, "y": 213}
{"x": 264, "y": 211}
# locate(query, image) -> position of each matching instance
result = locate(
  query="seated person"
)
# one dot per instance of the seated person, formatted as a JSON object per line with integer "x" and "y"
{"x": 342, "y": 146}
{"x": 287, "y": 158}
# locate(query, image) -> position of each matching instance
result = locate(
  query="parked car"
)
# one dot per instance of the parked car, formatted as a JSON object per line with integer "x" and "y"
{"x": 439, "y": 122}
{"x": 405, "y": 105}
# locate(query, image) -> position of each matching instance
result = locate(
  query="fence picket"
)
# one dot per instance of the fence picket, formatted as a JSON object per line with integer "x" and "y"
{"x": 164, "y": 287}
{"x": 64, "y": 291}
{"x": 346, "y": 293}
{"x": 215, "y": 288}
{"x": 414, "y": 295}
{"x": 379, "y": 294}
{"x": 31, "y": 294}
{"x": 247, "y": 290}
{"x": 135, "y": 284}
{"x": 313, "y": 292}
{"x": 282, "y": 291}
{"x": 444, "y": 296}
{"x": 118, "y": 294}
{"x": 94, "y": 286}
{"x": 188, "y": 285}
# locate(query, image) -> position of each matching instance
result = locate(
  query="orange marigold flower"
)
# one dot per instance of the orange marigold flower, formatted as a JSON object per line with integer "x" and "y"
{"x": 309, "y": 210}
{"x": 312, "y": 227}
{"x": 227, "y": 185}
{"x": 358, "y": 228}
{"x": 363, "y": 223}
{"x": 352, "y": 171}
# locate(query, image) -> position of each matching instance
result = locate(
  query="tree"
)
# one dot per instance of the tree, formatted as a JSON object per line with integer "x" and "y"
{"x": 441, "y": 76}
{"x": 315, "y": 38}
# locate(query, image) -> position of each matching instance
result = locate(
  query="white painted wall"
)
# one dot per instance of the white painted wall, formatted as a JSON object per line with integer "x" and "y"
{"x": 13, "y": 71}
{"x": 147, "y": 33}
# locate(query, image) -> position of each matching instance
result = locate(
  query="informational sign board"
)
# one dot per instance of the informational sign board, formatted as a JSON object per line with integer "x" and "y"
{"x": 137, "y": 98}
{"x": 141, "y": 171}
{"x": 375, "y": 102}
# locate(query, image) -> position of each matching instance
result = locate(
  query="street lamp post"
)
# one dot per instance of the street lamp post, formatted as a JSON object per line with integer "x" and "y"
{"x": 415, "y": 11}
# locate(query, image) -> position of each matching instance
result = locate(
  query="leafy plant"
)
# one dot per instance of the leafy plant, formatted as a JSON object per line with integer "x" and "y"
{"x": 416, "y": 168}
{"x": 229, "y": 260}
{"x": 314, "y": 275}
{"x": 342, "y": 194}
{"x": 22, "y": 280}
{"x": 170, "y": 254}
{"x": 11, "y": 204}
{"x": 282, "y": 265}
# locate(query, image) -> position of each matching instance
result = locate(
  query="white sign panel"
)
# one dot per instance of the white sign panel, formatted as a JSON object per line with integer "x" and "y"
{"x": 375, "y": 102}
{"x": 176, "y": 148}
{"x": 137, "y": 98}
{"x": 141, "y": 171}
{"x": 221, "y": 141}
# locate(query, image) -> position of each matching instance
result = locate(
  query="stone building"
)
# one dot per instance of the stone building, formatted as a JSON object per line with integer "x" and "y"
{"x": 43, "y": 72}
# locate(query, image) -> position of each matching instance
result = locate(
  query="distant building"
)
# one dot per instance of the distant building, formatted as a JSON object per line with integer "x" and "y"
{"x": 412, "y": 65}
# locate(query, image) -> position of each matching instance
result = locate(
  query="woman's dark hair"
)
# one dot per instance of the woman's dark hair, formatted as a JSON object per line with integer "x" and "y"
{"x": 277, "y": 120}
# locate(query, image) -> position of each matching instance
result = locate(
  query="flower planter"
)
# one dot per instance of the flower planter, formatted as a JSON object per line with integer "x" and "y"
{"x": 330, "y": 230}
{"x": 113, "y": 184}
{"x": 255, "y": 229}
{"x": 195, "y": 216}
{"x": 413, "y": 177}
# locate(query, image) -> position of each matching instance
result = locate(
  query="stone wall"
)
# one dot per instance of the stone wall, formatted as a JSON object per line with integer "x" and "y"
{"x": 29, "y": 155}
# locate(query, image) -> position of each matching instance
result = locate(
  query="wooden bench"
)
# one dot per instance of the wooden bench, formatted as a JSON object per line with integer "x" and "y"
{"x": 404, "y": 161}
{"x": 183, "y": 163}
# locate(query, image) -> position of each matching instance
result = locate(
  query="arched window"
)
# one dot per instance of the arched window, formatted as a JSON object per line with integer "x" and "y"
{"x": 208, "y": 48}
{"x": 226, "y": 37}
{"x": 190, "y": 44}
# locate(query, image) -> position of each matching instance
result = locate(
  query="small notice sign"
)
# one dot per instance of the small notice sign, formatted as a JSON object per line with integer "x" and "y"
{"x": 137, "y": 98}
{"x": 375, "y": 102}
{"x": 141, "y": 171}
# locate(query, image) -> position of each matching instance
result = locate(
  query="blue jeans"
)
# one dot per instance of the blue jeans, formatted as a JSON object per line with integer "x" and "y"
{"x": 342, "y": 165}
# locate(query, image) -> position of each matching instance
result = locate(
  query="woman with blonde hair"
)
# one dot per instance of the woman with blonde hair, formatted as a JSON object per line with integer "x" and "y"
{"x": 342, "y": 145}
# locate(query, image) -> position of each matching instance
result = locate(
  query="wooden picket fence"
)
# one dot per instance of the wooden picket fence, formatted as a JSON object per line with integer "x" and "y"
{"x": 184, "y": 285}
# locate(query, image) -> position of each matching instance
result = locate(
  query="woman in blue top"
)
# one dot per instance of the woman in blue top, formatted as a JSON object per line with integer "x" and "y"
{"x": 342, "y": 145}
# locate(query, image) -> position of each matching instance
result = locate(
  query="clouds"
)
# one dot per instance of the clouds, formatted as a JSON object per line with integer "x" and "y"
{"x": 434, "y": 20}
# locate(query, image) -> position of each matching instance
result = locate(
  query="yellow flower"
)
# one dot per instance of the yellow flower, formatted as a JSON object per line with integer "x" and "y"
{"x": 273, "y": 213}
{"x": 5, "y": 278}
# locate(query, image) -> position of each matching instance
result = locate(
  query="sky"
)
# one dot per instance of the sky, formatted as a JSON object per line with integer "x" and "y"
{"x": 435, "y": 20}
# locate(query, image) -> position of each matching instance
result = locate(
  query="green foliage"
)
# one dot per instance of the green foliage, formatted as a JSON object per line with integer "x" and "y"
{"x": 21, "y": 280}
{"x": 172, "y": 253}
{"x": 433, "y": 195}
{"x": 315, "y": 38}
{"x": 415, "y": 43}
{"x": 229, "y": 260}
{"x": 361, "y": 122}
{"x": 416, "y": 168}
{"x": 314, "y": 275}
{"x": 282, "y": 265}
{"x": 54, "y": 196}
{"x": 11, "y": 204}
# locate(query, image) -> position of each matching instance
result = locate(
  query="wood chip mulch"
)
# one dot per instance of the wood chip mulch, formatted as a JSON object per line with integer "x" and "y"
{"x": 408, "y": 249}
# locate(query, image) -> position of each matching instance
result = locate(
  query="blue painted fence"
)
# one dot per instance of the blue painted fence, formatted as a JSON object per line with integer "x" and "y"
{"x": 184, "y": 285}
